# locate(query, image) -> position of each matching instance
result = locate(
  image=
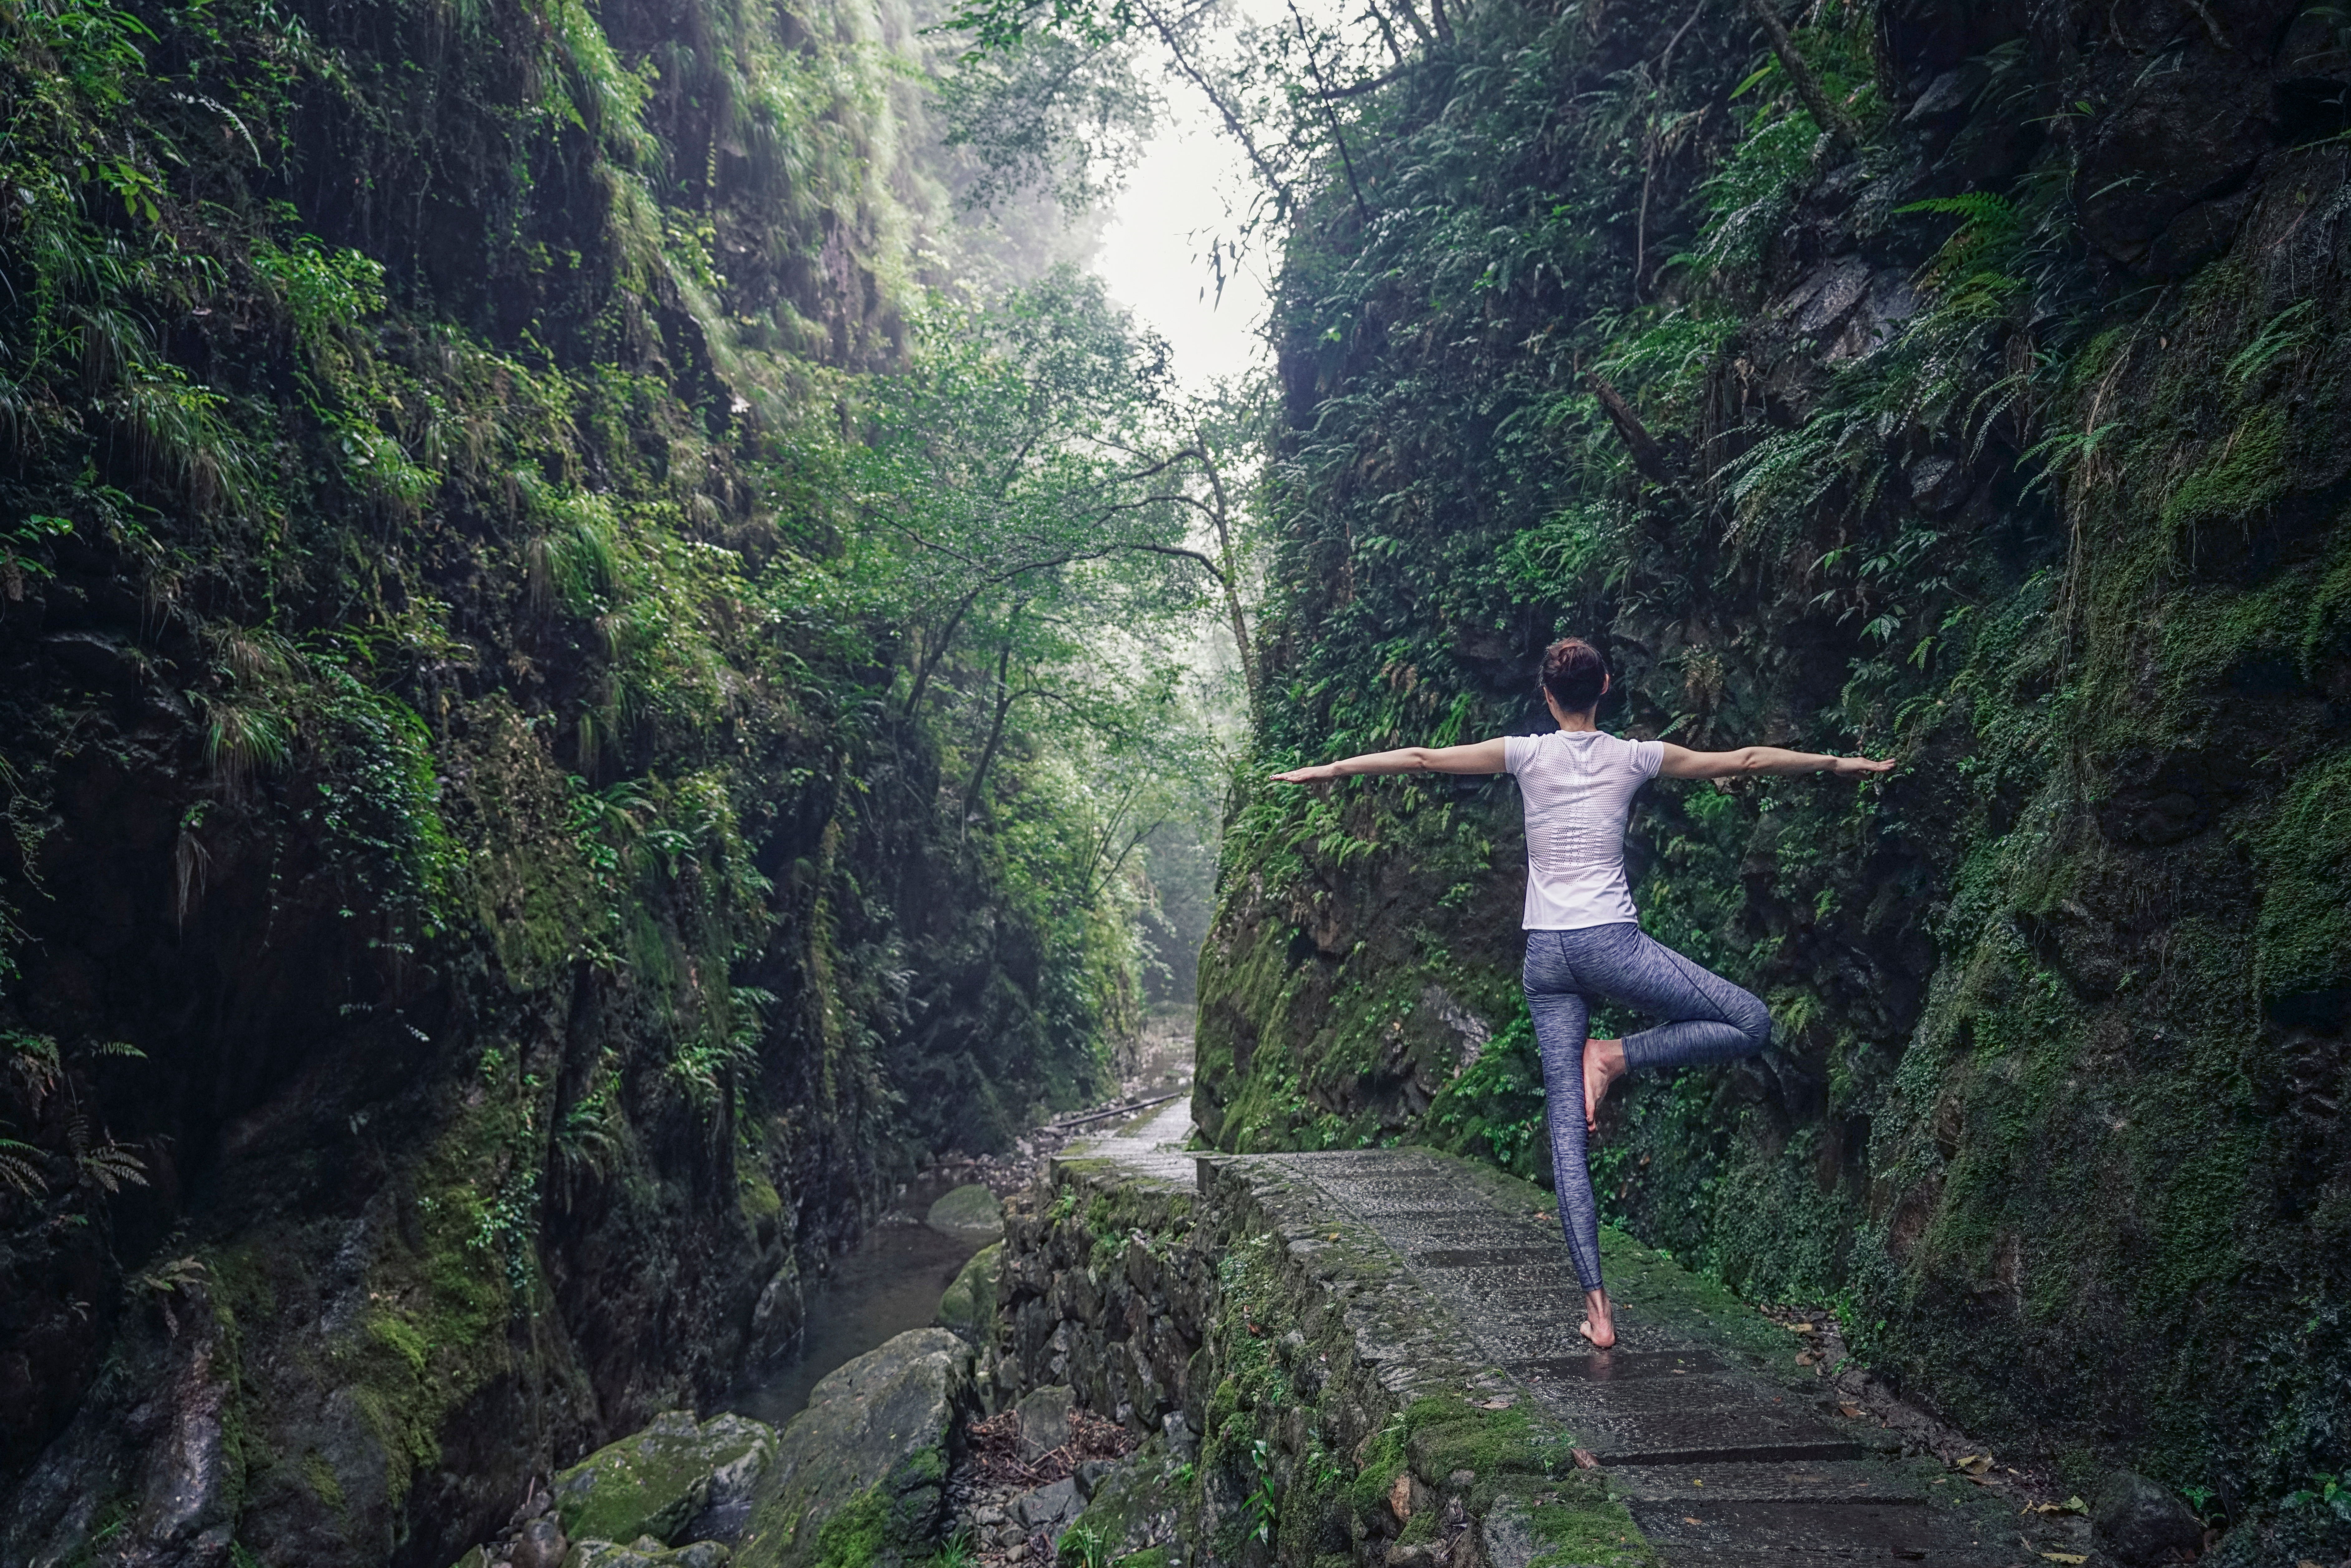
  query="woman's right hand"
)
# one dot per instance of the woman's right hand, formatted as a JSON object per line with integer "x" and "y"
{"x": 1306, "y": 775}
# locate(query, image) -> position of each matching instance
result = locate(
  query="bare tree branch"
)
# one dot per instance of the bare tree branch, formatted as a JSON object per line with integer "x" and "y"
{"x": 1826, "y": 115}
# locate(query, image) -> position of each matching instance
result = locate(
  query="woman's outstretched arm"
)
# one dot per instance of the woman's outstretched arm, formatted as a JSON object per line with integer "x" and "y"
{"x": 1680, "y": 762}
{"x": 1481, "y": 757}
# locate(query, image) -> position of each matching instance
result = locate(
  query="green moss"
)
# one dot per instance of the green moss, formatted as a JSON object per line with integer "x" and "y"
{"x": 2303, "y": 936}
{"x": 2242, "y": 479}
{"x": 323, "y": 1485}
{"x": 855, "y": 1535}
{"x": 968, "y": 1305}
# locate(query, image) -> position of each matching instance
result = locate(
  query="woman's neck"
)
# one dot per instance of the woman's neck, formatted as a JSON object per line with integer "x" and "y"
{"x": 1584, "y": 721}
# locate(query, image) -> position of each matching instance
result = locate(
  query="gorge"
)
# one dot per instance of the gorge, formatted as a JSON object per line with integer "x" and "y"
{"x": 608, "y": 646}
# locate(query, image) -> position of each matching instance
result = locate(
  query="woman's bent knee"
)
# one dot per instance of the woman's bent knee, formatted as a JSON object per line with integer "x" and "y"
{"x": 1750, "y": 1018}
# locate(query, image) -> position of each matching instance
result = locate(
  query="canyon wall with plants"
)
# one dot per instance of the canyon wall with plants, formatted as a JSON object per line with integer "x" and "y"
{"x": 1958, "y": 383}
{"x": 499, "y": 877}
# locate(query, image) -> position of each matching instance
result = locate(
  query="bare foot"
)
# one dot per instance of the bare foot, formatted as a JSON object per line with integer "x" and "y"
{"x": 1603, "y": 1064}
{"x": 1599, "y": 1324}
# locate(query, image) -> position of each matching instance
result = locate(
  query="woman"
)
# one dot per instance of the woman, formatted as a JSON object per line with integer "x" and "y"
{"x": 1584, "y": 942}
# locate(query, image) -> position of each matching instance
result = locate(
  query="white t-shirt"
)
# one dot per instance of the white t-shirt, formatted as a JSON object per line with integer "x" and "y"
{"x": 1578, "y": 786}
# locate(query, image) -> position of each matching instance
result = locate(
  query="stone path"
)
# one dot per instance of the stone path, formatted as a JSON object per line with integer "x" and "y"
{"x": 1726, "y": 1452}
{"x": 1722, "y": 1461}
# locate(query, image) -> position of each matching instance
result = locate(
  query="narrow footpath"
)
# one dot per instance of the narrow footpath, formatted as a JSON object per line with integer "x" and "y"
{"x": 1454, "y": 1285}
{"x": 1719, "y": 1462}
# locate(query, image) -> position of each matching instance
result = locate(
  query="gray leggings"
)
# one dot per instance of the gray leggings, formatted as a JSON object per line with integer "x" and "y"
{"x": 1710, "y": 1020}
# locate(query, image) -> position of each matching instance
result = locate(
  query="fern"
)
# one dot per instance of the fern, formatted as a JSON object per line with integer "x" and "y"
{"x": 2288, "y": 332}
{"x": 18, "y": 1171}
{"x": 35, "y": 1062}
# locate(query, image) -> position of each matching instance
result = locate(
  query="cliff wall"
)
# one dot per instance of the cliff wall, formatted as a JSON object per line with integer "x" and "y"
{"x": 1960, "y": 384}
{"x": 471, "y": 930}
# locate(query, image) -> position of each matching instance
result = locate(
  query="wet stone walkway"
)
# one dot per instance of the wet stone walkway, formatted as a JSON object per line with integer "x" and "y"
{"x": 1725, "y": 1450}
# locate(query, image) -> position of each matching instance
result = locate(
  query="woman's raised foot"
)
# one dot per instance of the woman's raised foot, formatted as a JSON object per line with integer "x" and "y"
{"x": 1603, "y": 1064}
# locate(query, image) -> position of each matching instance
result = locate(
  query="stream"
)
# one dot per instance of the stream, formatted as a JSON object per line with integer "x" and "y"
{"x": 892, "y": 1278}
{"x": 889, "y": 1283}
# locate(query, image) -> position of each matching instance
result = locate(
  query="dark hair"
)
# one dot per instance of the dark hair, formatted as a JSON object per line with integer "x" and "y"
{"x": 1574, "y": 674}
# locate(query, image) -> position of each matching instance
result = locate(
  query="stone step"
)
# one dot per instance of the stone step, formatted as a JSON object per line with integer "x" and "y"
{"x": 1713, "y": 1482}
{"x": 1802, "y": 1533}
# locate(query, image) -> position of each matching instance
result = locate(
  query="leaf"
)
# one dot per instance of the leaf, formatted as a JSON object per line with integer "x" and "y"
{"x": 1851, "y": 1412}
{"x": 2069, "y": 1558}
{"x": 1799, "y": 1328}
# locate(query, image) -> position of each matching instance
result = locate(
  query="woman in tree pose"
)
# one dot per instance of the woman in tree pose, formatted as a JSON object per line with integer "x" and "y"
{"x": 1583, "y": 940}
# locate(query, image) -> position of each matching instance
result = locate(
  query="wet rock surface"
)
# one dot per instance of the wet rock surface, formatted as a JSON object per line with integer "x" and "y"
{"x": 967, "y": 1210}
{"x": 866, "y": 1464}
{"x": 679, "y": 1480}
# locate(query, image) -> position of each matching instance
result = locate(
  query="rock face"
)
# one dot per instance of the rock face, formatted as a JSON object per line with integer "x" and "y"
{"x": 860, "y": 1476}
{"x": 677, "y": 1480}
{"x": 972, "y": 1210}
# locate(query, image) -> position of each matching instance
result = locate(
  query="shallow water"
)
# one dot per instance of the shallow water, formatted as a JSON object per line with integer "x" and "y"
{"x": 889, "y": 1283}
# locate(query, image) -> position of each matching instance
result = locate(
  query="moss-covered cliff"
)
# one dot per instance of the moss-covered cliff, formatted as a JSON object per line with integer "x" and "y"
{"x": 471, "y": 925}
{"x": 1996, "y": 426}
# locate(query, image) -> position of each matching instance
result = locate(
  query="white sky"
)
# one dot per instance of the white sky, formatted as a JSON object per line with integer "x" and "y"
{"x": 1186, "y": 190}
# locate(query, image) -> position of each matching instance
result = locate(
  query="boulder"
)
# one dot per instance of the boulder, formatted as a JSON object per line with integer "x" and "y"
{"x": 969, "y": 1306}
{"x": 967, "y": 1211}
{"x": 2141, "y": 1522}
{"x": 678, "y": 1479}
{"x": 861, "y": 1475}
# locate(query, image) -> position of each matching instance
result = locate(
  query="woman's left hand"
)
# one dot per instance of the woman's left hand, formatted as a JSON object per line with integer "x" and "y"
{"x": 1860, "y": 767}
{"x": 1306, "y": 775}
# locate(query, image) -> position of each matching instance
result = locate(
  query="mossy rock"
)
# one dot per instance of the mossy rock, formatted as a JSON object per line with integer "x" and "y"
{"x": 860, "y": 1476}
{"x": 969, "y": 1304}
{"x": 1134, "y": 1512}
{"x": 661, "y": 1481}
{"x": 971, "y": 1212}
